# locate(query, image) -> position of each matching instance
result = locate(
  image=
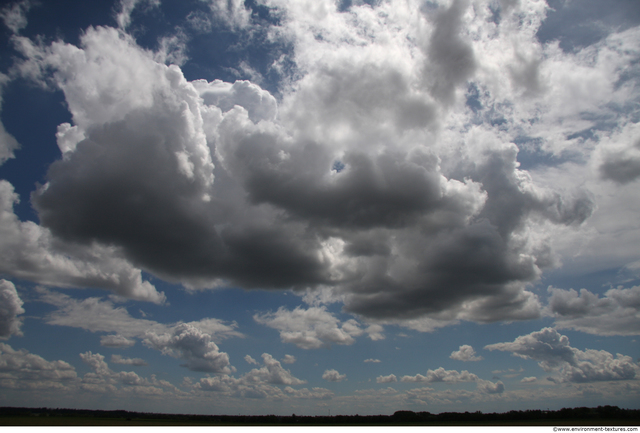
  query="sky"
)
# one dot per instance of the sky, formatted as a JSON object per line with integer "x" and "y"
{"x": 319, "y": 207}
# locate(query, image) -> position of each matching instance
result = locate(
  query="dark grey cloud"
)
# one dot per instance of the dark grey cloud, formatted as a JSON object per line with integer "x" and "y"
{"x": 451, "y": 57}
{"x": 615, "y": 313}
{"x": 622, "y": 166}
{"x": 349, "y": 183}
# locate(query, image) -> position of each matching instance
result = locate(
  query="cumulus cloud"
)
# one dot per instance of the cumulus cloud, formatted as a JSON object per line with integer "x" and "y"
{"x": 8, "y": 143}
{"x": 258, "y": 383}
{"x": 368, "y": 177}
{"x": 624, "y": 166}
{"x": 616, "y": 313}
{"x": 387, "y": 379}
{"x": 29, "y": 251}
{"x": 554, "y": 353}
{"x": 442, "y": 375}
{"x": 333, "y": 376}
{"x": 312, "y": 328}
{"x": 489, "y": 387}
{"x": 21, "y": 369}
{"x": 10, "y": 309}
{"x": 117, "y": 359}
{"x": 250, "y": 360}
{"x": 465, "y": 353}
{"x": 193, "y": 342}
{"x": 192, "y": 345}
{"x": 531, "y": 379}
{"x": 102, "y": 379}
{"x": 289, "y": 359}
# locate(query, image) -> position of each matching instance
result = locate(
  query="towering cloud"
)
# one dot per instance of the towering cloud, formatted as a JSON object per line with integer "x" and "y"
{"x": 10, "y": 309}
{"x": 386, "y": 173}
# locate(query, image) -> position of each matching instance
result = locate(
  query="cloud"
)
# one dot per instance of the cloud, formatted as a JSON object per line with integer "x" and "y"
{"x": 97, "y": 315}
{"x": 316, "y": 393}
{"x": 622, "y": 167}
{"x": 117, "y": 359}
{"x": 312, "y": 328}
{"x": 193, "y": 345}
{"x": 14, "y": 15}
{"x": 116, "y": 341}
{"x": 489, "y": 387}
{"x": 450, "y": 56}
{"x": 333, "y": 376}
{"x": 10, "y": 308}
{"x": 250, "y": 360}
{"x": 29, "y": 251}
{"x": 442, "y": 375}
{"x": 105, "y": 380}
{"x": 614, "y": 314}
{"x": 368, "y": 177}
{"x": 372, "y": 360}
{"x": 289, "y": 359}
{"x": 123, "y": 17}
{"x": 375, "y": 332}
{"x": 21, "y": 369}
{"x": 8, "y": 143}
{"x": 257, "y": 383}
{"x": 553, "y": 353}
{"x": 465, "y": 353}
{"x": 192, "y": 342}
{"x": 387, "y": 379}
{"x": 531, "y": 379}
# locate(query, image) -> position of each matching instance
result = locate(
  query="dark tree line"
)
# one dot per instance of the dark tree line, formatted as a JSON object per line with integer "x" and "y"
{"x": 580, "y": 415}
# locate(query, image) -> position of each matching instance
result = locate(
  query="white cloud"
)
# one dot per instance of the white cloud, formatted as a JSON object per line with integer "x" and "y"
{"x": 554, "y": 353}
{"x": 193, "y": 345}
{"x": 315, "y": 393}
{"x": 14, "y": 15}
{"x": 531, "y": 379}
{"x": 123, "y": 17}
{"x": 97, "y": 315}
{"x": 442, "y": 375}
{"x": 387, "y": 379}
{"x": 193, "y": 342}
{"x": 21, "y": 369}
{"x": 8, "y": 143}
{"x": 250, "y": 360}
{"x": 10, "y": 309}
{"x": 372, "y": 360}
{"x": 117, "y": 359}
{"x": 116, "y": 341}
{"x": 374, "y": 332}
{"x": 259, "y": 383}
{"x": 333, "y": 376}
{"x": 614, "y": 314}
{"x": 465, "y": 353}
{"x": 489, "y": 387}
{"x": 289, "y": 359}
{"x": 312, "y": 328}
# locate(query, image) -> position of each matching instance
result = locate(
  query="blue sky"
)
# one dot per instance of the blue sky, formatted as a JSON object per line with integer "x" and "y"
{"x": 274, "y": 207}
